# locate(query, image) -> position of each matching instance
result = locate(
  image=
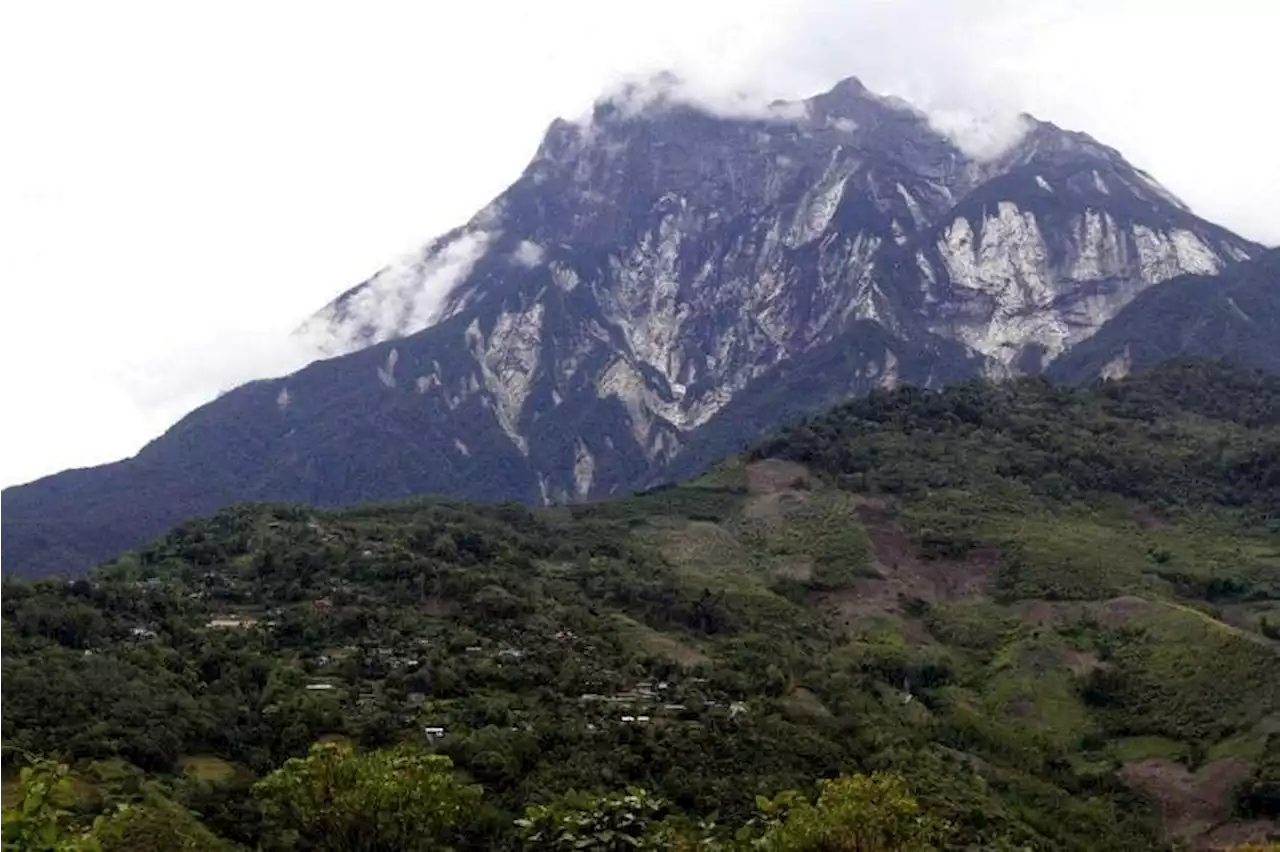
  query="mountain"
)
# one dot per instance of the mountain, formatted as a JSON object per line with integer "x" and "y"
{"x": 1005, "y": 594}
{"x": 1235, "y": 315}
{"x": 661, "y": 283}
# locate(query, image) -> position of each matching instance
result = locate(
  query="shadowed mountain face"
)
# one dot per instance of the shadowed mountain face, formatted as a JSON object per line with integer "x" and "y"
{"x": 658, "y": 286}
{"x": 1235, "y": 315}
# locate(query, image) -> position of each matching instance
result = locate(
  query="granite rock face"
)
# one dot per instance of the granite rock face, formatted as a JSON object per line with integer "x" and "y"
{"x": 687, "y": 255}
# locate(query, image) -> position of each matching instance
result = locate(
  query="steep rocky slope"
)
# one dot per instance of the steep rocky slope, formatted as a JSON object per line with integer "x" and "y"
{"x": 820, "y": 250}
{"x": 1235, "y": 315}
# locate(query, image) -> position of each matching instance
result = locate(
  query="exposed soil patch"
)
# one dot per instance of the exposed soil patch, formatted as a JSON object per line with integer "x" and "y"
{"x": 1237, "y": 615}
{"x": 208, "y": 768}
{"x": 1116, "y": 612}
{"x": 1245, "y": 615}
{"x": 673, "y": 649}
{"x": 772, "y": 486}
{"x": 1193, "y": 805}
{"x": 439, "y": 608}
{"x": 1021, "y": 707}
{"x": 772, "y": 475}
{"x": 660, "y": 644}
{"x": 1147, "y": 519}
{"x": 905, "y": 575}
{"x": 897, "y": 558}
{"x": 1082, "y": 662}
{"x": 806, "y": 702}
{"x": 773, "y": 506}
{"x": 1044, "y": 613}
{"x": 975, "y": 763}
{"x": 1236, "y": 834}
{"x": 794, "y": 568}
{"x": 699, "y": 549}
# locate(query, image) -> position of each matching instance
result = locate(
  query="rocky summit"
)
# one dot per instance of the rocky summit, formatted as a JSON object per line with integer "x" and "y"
{"x": 663, "y": 282}
{"x": 673, "y": 259}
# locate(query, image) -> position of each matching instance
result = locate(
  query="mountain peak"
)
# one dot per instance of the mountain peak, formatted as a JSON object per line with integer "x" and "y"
{"x": 848, "y": 87}
{"x": 639, "y": 95}
{"x": 845, "y": 165}
{"x": 665, "y": 279}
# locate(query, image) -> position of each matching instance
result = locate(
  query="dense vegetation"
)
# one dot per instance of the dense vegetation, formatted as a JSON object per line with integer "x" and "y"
{"x": 1006, "y": 596}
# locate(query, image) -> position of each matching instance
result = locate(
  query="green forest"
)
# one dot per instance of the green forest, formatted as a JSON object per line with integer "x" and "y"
{"x": 996, "y": 616}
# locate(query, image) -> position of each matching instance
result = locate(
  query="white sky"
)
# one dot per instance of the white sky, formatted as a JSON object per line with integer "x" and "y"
{"x": 182, "y": 183}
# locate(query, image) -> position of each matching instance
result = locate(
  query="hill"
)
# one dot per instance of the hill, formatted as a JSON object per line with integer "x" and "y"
{"x": 1007, "y": 594}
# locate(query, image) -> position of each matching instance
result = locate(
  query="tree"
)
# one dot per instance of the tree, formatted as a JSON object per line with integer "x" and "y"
{"x": 1259, "y": 796}
{"x": 157, "y": 825}
{"x": 402, "y": 799}
{"x": 614, "y": 822}
{"x": 857, "y": 813}
{"x": 42, "y": 820}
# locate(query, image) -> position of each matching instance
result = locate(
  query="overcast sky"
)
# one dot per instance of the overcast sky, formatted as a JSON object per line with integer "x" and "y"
{"x": 182, "y": 183}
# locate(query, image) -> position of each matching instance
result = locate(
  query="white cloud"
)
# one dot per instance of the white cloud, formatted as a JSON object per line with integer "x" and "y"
{"x": 642, "y": 93}
{"x": 981, "y": 136}
{"x": 528, "y": 254}
{"x": 216, "y": 172}
{"x": 205, "y": 366}
{"x": 400, "y": 300}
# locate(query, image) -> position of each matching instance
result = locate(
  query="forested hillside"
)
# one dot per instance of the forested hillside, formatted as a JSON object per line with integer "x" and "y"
{"x": 1005, "y": 616}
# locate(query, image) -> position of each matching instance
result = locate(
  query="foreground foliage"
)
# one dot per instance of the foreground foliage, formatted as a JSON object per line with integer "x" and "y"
{"x": 867, "y": 814}
{"x": 396, "y": 799}
{"x": 404, "y": 799}
{"x": 42, "y": 819}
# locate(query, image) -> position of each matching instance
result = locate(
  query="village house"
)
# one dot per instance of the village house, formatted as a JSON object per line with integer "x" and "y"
{"x": 230, "y": 622}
